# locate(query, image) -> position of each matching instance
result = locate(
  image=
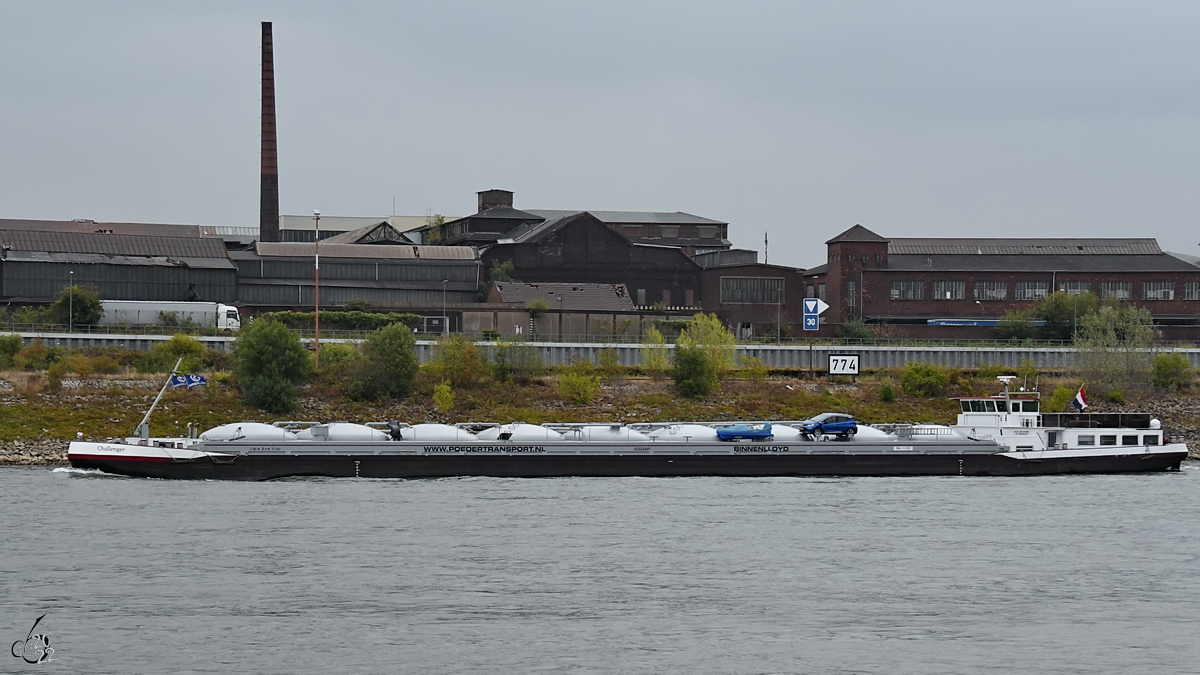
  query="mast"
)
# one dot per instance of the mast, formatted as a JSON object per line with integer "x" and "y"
{"x": 143, "y": 429}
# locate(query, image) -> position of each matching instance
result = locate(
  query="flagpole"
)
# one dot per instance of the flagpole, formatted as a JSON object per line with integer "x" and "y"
{"x": 143, "y": 429}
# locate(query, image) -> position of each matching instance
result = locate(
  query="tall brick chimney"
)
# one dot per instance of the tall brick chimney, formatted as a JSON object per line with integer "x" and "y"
{"x": 268, "y": 210}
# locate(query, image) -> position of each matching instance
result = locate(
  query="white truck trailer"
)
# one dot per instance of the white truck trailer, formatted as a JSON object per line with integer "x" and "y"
{"x": 151, "y": 313}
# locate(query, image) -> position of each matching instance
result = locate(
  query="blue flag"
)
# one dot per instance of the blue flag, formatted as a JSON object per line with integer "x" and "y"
{"x": 195, "y": 380}
{"x": 178, "y": 381}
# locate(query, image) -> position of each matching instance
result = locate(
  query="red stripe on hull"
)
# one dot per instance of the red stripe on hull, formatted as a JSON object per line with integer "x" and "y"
{"x": 117, "y": 458}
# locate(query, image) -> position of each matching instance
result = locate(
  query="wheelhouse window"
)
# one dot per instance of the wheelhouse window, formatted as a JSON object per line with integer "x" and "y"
{"x": 1118, "y": 290}
{"x": 1158, "y": 290}
{"x": 908, "y": 290}
{"x": 1129, "y": 440}
{"x": 1026, "y": 406}
{"x": 1087, "y": 439}
{"x": 949, "y": 290}
{"x": 1108, "y": 439}
{"x": 1031, "y": 290}
{"x": 991, "y": 290}
{"x": 1150, "y": 439}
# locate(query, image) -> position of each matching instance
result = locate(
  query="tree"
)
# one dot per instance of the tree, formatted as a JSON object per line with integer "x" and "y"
{"x": 271, "y": 365}
{"x": 456, "y": 360}
{"x": 501, "y": 270}
{"x": 696, "y": 375}
{"x": 1113, "y": 348}
{"x": 1172, "y": 371}
{"x": 855, "y": 329}
{"x": 654, "y": 355}
{"x": 709, "y": 335}
{"x": 1015, "y": 326}
{"x": 579, "y": 383}
{"x": 1061, "y": 312}
{"x": 924, "y": 379}
{"x": 515, "y": 361}
{"x": 536, "y": 308}
{"x": 80, "y": 307}
{"x": 389, "y": 364}
{"x": 443, "y": 397}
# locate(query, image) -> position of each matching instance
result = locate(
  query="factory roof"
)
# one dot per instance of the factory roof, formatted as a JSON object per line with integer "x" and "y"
{"x": 363, "y": 251}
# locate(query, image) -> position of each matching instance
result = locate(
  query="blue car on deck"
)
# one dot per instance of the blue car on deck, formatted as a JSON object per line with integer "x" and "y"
{"x": 839, "y": 424}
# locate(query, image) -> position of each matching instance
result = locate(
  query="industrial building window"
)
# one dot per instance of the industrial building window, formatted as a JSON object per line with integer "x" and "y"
{"x": 908, "y": 290}
{"x": 632, "y": 230}
{"x": 708, "y": 231}
{"x": 1031, "y": 290}
{"x": 810, "y": 292}
{"x": 1119, "y": 290}
{"x": 752, "y": 289}
{"x": 1191, "y": 290}
{"x": 1158, "y": 290}
{"x": 1075, "y": 287}
{"x": 991, "y": 290}
{"x": 949, "y": 290}
{"x": 821, "y": 291}
{"x": 851, "y": 292}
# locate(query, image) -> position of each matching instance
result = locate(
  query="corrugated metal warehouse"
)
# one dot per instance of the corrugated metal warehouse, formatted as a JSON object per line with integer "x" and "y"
{"x": 280, "y": 274}
{"x": 36, "y": 265}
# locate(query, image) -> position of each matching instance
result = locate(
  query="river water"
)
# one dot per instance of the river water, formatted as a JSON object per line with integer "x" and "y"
{"x": 1082, "y": 574}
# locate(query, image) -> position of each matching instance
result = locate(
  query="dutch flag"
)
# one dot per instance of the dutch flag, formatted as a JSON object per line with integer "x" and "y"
{"x": 1080, "y": 400}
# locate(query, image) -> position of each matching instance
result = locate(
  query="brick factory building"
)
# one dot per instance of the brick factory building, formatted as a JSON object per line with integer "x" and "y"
{"x": 960, "y": 287}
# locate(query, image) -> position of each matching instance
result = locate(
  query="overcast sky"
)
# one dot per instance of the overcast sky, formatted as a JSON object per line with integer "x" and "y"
{"x": 800, "y": 119}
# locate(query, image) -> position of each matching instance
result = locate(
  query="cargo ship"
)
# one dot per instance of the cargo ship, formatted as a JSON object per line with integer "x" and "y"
{"x": 1003, "y": 435}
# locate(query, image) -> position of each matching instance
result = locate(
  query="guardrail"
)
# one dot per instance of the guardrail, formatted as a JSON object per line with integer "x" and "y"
{"x": 778, "y": 357}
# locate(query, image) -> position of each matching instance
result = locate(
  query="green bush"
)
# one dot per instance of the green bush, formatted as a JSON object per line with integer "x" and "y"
{"x": 696, "y": 376}
{"x": 1114, "y": 396}
{"x": 9, "y": 346}
{"x": 443, "y": 397}
{"x": 1171, "y": 371}
{"x": 388, "y": 367}
{"x": 1059, "y": 400}
{"x": 755, "y": 369}
{"x": 655, "y": 361}
{"x": 346, "y": 320}
{"x": 515, "y": 361}
{"x": 924, "y": 379}
{"x": 579, "y": 383}
{"x": 1015, "y": 325}
{"x": 271, "y": 365}
{"x": 456, "y": 360}
{"x": 1028, "y": 371}
{"x": 855, "y": 329}
{"x": 334, "y": 353}
{"x": 887, "y": 393}
{"x": 991, "y": 371}
{"x": 36, "y": 356}
{"x": 706, "y": 333}
{"x": 609, "y": 363}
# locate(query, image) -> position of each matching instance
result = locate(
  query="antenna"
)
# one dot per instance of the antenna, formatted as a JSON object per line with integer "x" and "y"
{"x": 766, "y": 249}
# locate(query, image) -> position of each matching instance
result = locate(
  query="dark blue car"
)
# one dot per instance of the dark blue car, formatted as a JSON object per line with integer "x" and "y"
{"x": 838, "y": 424}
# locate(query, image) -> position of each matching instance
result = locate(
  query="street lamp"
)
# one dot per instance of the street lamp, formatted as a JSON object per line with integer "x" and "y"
{"x": 445, "y": 323}
{"x": 71, "y": 303}
{"x": 560, "y": 318}
{"x": 317, "y": 287}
